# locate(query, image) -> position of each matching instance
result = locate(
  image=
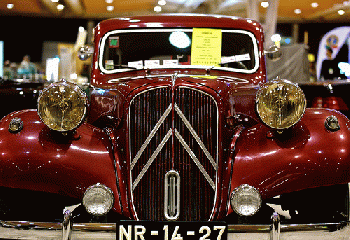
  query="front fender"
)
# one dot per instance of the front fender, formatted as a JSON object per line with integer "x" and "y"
{"x": 306, "y": 156}
{"x": 37, "y": 159}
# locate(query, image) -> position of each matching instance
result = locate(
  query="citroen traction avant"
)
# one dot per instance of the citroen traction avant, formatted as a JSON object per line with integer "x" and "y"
{"x": 180, "y": 137}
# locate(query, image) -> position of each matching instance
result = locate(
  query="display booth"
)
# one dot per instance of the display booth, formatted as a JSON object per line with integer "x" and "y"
{"x": 293, "y": 64}
{"x": 333, "y": 55}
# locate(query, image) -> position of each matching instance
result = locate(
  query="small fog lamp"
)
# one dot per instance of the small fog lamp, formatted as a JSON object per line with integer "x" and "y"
{"x": 245, "y": 200}
{"x": 98, "y": 199}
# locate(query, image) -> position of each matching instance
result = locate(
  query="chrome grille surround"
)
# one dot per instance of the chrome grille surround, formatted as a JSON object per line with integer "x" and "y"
{"x": 173, "y": 133}
{"x": 172, "y": 195}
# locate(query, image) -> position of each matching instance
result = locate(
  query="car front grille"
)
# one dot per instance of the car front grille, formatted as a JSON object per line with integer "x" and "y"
{"x": 173, "y": 130}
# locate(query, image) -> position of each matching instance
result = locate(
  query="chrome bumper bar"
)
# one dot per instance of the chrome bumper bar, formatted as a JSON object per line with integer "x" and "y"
{"x": 275, "y": 231}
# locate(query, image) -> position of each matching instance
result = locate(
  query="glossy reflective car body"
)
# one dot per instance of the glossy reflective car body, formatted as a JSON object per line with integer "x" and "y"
{"x": 174, "y": 132}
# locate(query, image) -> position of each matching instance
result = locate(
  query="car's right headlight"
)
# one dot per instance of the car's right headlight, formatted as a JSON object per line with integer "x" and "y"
{"x": 245, "y": 200}
{"x": 280, "y": 103}
{"x": 62, "y": 106}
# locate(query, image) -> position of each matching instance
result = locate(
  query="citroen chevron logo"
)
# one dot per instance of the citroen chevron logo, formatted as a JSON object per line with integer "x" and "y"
{"x": 181, "y": 140}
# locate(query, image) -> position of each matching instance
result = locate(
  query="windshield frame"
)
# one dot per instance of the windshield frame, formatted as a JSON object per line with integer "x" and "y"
{"x": 248, "y": 71}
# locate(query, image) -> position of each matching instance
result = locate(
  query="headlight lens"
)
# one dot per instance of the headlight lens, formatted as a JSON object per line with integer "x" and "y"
{"x": 280, "y": 104}
{"x": 98, "y": 199}
{"x": 245, "y": 200}
{"x": 62, "y": 106}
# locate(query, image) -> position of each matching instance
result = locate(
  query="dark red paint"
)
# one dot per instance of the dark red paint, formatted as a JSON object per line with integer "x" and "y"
{"x": 305, "y": 156}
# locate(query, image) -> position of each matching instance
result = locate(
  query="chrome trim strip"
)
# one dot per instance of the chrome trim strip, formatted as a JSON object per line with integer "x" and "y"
{"x": 150, "y": 161}
{"x": 172, "y": 195}
{"x": 195, "y": 159}
{"x": 223, "y": 78}
{"x": 111, "y": 139}
{"x": 34, "y": 225}
{"x": 265, "y": 228}
{"x": 195, "y": 135}
{"x": 150, "y": 136}
{"x": 232, "y": 228}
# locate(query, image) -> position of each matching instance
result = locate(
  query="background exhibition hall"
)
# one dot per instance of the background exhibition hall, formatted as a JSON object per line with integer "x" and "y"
{"x": 26, "y": 25}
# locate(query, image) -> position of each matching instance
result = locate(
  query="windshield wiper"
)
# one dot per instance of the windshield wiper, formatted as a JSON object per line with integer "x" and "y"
{"x": 126, "y": 66}
{"x": 222, "y": 63}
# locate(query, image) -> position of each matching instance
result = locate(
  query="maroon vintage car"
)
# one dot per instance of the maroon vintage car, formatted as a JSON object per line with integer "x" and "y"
{"x": 181, "y": 137}
{"x": 18, "y": 94}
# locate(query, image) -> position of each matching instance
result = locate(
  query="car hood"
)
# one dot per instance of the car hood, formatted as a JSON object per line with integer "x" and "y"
{"x": 231, "y": 93}
{"x": 127, "y": 85}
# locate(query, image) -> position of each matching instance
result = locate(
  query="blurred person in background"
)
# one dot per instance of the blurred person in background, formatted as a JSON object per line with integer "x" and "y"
{"x": 330, "y": 69}
{"x": 27, "y": 68}
{"x": 9, "y": 71}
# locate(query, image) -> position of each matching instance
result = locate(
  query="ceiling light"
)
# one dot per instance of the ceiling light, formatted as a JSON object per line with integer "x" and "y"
{"x": 60, "y": 7}
{"x": 341, "y": 12}
{"x": 179, "y": 39}
{"x": 54, "y": 1}
{"x": 109, "y": 1}
{"x": 264, "y": 4}
{"x": 161, "y": 2}
{"x": 10, "y": 5}
{"x": 157, "y": 8}
{"x": 314, "y": 4}
{"x": 110, "y": 8}
{"x": 276, "y": 38}
{"x": 297, "y": 11}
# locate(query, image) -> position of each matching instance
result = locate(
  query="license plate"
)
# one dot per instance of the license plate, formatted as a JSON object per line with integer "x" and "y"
{"x": 147, "y": 230}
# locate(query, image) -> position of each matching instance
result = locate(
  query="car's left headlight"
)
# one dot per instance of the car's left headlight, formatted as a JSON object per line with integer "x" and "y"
{"x": 280, "y": 103}
{"x": 62, "y": 106}
{"x": 98, "y": 199}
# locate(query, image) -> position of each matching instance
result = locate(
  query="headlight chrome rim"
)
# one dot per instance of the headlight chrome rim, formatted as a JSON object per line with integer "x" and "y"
{"x": 286, "y": 91}
{"x": 239, "y": 192}
{"x": 45, "y": 106}
{"x": 98, "y": 209}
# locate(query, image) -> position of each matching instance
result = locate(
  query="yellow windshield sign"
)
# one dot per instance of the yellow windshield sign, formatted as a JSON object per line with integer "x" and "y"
{"x": 206, "y": 47}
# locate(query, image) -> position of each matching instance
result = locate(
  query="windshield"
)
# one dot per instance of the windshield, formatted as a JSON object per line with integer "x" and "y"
{"x": 230, "y": 50}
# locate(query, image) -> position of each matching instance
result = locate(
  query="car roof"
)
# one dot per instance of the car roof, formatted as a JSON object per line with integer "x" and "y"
{"x": 181, "y": 21}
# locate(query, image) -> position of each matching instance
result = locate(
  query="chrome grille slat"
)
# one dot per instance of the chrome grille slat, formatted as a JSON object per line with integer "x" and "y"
{"x": 193, "y": 126}
{"x": 150, "y": 136}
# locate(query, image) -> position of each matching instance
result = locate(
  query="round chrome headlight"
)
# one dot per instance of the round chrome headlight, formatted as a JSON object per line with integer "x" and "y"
{"x": 245, "y": 200}
{"x": 280, "y": 103}
{"x": 98, "y": 199}
{"x": 62, "y": 106}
